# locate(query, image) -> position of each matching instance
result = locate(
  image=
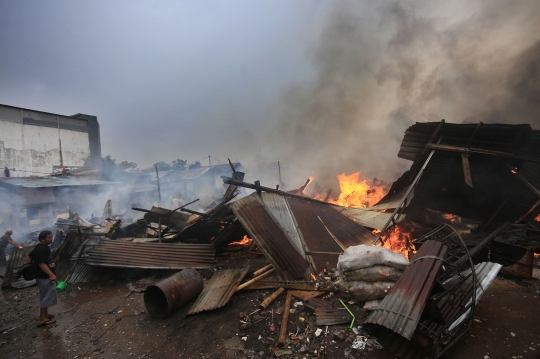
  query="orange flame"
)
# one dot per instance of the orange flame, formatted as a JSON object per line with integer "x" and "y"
{"x": 357, "y": 191}
{"x": 537, "y": 218}
{"x": 399, "y": 241}
{"x": 450, "y": 217}
{"x": 313, "y": 276}
{"x": 246, "y": 241}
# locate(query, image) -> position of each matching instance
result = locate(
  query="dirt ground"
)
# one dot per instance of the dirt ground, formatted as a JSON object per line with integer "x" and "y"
{"x": 103, "y": 320}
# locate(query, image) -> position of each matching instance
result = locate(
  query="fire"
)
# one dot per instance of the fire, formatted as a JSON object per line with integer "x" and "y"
{"x": 357, "y": 191}
{"x": 246, "y": 241}
{"x": 513, "y": 170}
{"x": 313, "y": 276}
{"x": 450, "y": 217}
{"x": 399, "y": 241}
{"x": 537, "y": 218}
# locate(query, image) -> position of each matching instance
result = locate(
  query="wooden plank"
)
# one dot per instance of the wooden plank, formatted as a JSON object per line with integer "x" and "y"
{"x": 466, "y": 169}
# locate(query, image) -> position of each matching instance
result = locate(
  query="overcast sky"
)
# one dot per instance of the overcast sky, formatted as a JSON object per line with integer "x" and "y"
{"x": 322, "y": 86}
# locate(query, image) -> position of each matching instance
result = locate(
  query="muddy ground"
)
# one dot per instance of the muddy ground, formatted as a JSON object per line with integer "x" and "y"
{"x": 106, "y": 320}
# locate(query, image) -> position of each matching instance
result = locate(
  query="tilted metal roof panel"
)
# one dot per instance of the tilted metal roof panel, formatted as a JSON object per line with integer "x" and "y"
{"x": 219, "y": 289}
{"x": 320, "y": 243}
{"x": 279, "y": 208}
{"x": 270, "y": 238}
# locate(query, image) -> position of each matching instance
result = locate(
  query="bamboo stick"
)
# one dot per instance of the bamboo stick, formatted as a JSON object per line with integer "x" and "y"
{"x": 262, "y": 270}
{"x": 242, "y": 286}
{"x": 266, "y": 302}
{"x": 285, "y": 320}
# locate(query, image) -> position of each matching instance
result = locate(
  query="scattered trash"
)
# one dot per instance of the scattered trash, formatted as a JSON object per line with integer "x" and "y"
{"x": 318, "y": 332}
{"x": 359, "y": 343}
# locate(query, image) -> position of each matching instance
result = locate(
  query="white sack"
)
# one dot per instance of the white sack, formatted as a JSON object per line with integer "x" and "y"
{"x": 362, "y": 256}
{"x": 365, "y": 291}
{"x": 374, "y": 274}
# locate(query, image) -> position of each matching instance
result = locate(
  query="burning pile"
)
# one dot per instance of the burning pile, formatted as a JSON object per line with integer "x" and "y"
{"x": 399, "y": 240}
{"x": 357, "y": 191}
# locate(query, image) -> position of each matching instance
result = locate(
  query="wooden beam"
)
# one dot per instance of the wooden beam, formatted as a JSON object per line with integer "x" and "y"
{"x": 480, "y": 151}
{"x": 466, "y": 169}
{"x": 285, "y": 320}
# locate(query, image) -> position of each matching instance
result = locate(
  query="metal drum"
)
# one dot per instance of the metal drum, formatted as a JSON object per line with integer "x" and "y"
{"x": 168, "y": 295}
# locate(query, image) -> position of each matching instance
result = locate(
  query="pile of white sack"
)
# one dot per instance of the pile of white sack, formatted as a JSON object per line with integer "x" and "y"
{"x": 370, "y": 271}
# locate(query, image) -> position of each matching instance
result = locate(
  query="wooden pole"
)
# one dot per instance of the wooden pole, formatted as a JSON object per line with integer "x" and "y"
{"x": 249, "y": 282}
{"x": 262, "y": 270}
{"x": 266, "y": 302}
{"x": 285, "y": 320}
{"x": 158, "y": 187}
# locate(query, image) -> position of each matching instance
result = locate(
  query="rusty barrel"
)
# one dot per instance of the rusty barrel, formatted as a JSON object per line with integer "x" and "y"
{"x": 168, "y": 295}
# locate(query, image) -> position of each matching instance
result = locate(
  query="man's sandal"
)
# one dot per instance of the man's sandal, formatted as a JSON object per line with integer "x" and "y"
{"x": 47, "y": 322}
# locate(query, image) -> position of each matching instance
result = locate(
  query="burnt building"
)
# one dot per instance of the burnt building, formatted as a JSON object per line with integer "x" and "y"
{"x": 37, "y": 143}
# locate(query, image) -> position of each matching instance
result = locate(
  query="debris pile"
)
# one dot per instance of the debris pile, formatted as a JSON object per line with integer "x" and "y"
{"x": 404, "y": 271}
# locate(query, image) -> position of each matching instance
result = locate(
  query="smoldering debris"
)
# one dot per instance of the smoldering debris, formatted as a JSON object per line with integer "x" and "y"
{"x": 450, "y": 223}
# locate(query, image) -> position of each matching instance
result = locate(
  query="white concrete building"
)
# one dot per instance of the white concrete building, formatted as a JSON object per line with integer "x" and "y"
{"x": 36, "y": 143}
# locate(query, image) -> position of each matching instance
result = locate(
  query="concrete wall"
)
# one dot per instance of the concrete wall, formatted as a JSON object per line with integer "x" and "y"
{"x": 32, "y": 142}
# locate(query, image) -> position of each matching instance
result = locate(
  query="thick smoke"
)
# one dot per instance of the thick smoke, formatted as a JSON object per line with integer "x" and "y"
{"x": 382, "y": 68}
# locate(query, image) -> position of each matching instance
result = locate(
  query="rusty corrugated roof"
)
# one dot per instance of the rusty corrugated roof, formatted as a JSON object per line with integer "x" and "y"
{"x": 17, "y": 258}
{"x": 110, "y": 253}
{"x": 326, "y": 230}
{"x": 431, "y": 339}
{"x": 219, "y": 289}
{"x": 401, "y": 309}
{"x": 270, "y": 238}
{"x": 64, "y": 254}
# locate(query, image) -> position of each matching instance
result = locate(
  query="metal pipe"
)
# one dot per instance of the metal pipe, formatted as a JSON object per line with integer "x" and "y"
{"x": 481, "y": 245}
{"x": 166, "y": 296}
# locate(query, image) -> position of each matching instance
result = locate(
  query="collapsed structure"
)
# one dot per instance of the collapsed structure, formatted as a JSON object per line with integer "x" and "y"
{"x": 466, "y": 210}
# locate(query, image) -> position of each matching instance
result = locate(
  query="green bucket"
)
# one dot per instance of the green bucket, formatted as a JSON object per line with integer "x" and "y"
{"x": 60, "y": 286}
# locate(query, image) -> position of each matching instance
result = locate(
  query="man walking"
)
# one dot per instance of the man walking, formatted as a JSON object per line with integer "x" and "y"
{"x": 45, "y": 278}
{"x": 4, "y": 241}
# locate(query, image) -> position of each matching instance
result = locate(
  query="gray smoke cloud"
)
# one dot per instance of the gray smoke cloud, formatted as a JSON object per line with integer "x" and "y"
{"x": 382, "y": 68}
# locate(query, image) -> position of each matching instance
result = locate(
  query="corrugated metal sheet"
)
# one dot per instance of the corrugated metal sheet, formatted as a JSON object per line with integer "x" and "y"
{"x": 219, "y": 289}
{"x": 17, "y": 258}
{"x": 332, "y": 316}
{"x": 432, "y": 339}
{"x": 326, "y": 230}
{"x": 317, "y": 303}
{"x": 401, "y": 309}
{"x": 83, "y": 273}
{"x": 280, "y": 210}
{"x": 495, "y": 137}
{"x": 316, "y": 236}
{"x": 64, "y": 254}
{"x": 269, "y": 237}
{"x": 109, "y": 253}
{"x": 366, "y": 217}
{"x": 485, "y": 273}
